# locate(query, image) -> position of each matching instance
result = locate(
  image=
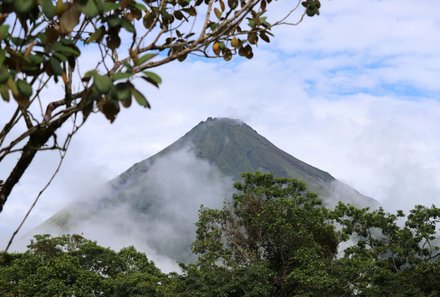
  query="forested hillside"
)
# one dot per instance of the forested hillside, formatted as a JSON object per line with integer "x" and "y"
{"x": 273, "y": 239}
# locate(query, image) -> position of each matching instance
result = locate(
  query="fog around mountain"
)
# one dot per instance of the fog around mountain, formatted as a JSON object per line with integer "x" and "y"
{"x": 154, "y": 204}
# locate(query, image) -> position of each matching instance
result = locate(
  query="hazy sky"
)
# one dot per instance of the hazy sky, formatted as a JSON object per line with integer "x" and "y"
{"x": 354, "y": 92}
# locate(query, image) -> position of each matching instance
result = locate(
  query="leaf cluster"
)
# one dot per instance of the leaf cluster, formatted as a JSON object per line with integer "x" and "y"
{"x": 389, "y": 251}
{"x": 70, "y": 265}
{"x": 305, "y": 249}
{"x": 272, "y": 223}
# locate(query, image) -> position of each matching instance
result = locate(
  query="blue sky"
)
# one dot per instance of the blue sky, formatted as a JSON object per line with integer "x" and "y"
{"x": 354, "y": 92}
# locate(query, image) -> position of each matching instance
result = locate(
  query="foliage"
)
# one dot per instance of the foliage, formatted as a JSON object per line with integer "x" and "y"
{"x": 74, "y": 266}
{"x": 43, "y": 43}
{"x": 390, "y": 256}
{"x": 273, "y": 239}
{"x": 275, "y": 227}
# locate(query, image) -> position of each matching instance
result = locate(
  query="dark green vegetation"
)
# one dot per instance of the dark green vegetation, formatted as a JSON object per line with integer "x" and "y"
{"x": 74, "y": 266}
{"x": 273, "y": 239}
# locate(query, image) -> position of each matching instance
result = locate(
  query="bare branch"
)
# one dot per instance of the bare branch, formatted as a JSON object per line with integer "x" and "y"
{"x": 205, "y": 23}
{"x": 63, "y": 153}
{"x": 9, "y": 125}
{"x": 289, "y": 14}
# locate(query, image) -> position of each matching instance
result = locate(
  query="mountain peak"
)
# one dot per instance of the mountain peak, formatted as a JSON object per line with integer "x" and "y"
{"x": 220, "y": 123}
{"x": 234, "y": 147}
{"x": 223, "y": 121}
{"x": 157, "y": 199}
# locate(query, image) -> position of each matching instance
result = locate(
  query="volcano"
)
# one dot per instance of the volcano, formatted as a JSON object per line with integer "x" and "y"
{"x": 155, "y": 203}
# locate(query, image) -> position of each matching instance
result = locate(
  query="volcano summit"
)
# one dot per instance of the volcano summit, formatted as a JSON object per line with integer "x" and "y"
{"x": 155, "y": 203}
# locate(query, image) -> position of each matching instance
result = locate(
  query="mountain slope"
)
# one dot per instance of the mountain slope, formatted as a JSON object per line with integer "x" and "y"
{"x": 155, "y": 202}
{"x": 234, "y": 147}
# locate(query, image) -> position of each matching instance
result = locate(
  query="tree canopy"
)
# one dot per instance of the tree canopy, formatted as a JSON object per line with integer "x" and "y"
{"x": 273, "y": 239}
{"x": 276, "y": 227}
{"x": 276, "y": 239}
{"x": 44, "y": 43}
{"x": 73, "y": 266}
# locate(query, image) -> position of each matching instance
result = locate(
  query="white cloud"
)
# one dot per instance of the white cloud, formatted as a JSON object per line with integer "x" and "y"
{"x": 170, "y": 194}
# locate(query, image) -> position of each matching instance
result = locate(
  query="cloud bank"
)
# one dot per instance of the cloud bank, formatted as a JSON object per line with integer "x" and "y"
{"x": 154, "y": 207}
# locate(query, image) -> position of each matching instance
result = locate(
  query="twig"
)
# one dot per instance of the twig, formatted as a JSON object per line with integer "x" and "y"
{"x": 288, "y": 15}
{"x": 63, "y": 153}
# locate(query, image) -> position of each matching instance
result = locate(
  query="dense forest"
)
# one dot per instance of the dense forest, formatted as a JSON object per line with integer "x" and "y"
{"x": 274, "y": 238}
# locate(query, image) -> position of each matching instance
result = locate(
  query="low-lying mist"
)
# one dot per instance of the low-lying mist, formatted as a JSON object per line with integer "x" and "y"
{"x": 154, "y": 206}
{"x": 156, "y": 212}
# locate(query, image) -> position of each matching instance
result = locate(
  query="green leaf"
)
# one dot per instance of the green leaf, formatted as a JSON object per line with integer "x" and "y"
{"x": 60, "y": 57}
{"x": 122, "y": 75}
{"x": 96, "y": 36}
{"x": 67, "y": 50}
{"x": 55, "y": 66}
{"x": 311, "y": 11}
{"x": 21, "y": 100}
{"x": 20, "y": 41}
{"x": 191, "y": 11}
{"x": 107, "y": 6}
{"x": 13, "y": 87}
{"x": 154, "y": 78}
{"x": 146, "y": 58}
{"x": 48, "y": 9}
{"x": 2, "y": 56}
{"x": 264, "y": 36}
{"x": 123, "y": 91}
{"x": 178, "y": 15}
{"x": 4, "y": 74}
{"x": 4, "y": 92}
{"x": 89, "y": 74}
{"x": 32, "y": 70}
{"x": 90, "y": 9}
{"x": 138, "y": 6}
{"x": 113, "y": 21}
{"x": 128, "y": 26}
{"x": 150, "y": 81}
{"x": 126, "y": 103}
{"x": 127, "y": 66}
{"x": 24, "y": 88}
{"x": 140, "y": 98}
{"x": 36, "y": 59}
{"x": 4, "y": 31}
{"x": 213, "y": 26}
{"x": 23, "y": 6}
{"x": 103, "y": 83}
